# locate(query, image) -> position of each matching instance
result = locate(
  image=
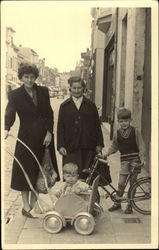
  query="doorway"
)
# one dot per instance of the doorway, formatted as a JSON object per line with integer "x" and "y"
{"x": 146, "y": 105}
{"x": 108, "y": 84}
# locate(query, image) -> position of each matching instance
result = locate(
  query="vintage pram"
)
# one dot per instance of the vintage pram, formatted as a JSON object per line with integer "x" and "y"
{"x": 81, "y": 211}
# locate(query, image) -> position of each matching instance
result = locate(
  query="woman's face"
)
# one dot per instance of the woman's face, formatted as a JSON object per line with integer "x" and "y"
{"x": 76, "y": 89}
{"x": 28, "y": 80}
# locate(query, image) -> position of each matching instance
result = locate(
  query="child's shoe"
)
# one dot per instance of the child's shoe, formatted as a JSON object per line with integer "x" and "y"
{"x": 114, "y": 207}
{"x": 118, "y": 198}
{"x": 128, "y": 209}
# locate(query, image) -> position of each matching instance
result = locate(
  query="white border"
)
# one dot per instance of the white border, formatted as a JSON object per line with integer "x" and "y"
{"x": 154, "y": 139}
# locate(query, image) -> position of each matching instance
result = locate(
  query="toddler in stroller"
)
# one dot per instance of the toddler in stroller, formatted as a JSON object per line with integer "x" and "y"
{"x": 75, "y": 204}
{"x": 70, "y": 185}
{"x": 71, "y": 182}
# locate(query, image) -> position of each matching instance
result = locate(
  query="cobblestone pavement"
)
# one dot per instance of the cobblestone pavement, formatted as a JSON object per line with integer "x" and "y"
{"x": 12, "y": 198}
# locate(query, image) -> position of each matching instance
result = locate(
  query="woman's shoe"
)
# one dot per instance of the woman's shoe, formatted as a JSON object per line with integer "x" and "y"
{"x": 27, "y": 213}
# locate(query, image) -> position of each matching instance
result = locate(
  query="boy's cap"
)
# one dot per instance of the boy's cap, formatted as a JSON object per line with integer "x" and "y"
{"x": 124, "y": 113}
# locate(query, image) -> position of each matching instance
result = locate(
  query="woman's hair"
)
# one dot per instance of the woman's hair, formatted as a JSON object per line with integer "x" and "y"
{"x": 70, "y": 168}
{"x": 27, "y": 68}
{"x": 73, "y": 79}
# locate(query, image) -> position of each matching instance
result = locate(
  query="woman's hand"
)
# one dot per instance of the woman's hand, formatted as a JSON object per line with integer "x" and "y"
{"x": 63, "y": 151}
{"x": 104, "y": 156}
{"x": 47, "y": 139}
{"x": 6, "y": 134}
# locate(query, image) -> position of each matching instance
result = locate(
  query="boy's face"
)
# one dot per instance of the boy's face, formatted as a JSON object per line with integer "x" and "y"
{"x": 71, "y": 178}
{"x": 125, "y": 123}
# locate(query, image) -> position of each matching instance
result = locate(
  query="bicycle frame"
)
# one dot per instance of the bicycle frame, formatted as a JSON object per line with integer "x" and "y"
{"x": 114, "y": 190}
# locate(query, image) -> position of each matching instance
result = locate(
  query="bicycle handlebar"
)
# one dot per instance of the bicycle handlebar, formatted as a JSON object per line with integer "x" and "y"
{"x": 101, "y": 159}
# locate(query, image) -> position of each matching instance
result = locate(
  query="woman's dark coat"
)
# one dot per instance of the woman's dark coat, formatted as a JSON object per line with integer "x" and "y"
{"x": 79, "y": 129}
{"x": 34, "y": 123}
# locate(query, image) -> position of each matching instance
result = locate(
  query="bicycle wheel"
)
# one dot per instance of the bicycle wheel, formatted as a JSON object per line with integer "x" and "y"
{"x": 140, "y": 196}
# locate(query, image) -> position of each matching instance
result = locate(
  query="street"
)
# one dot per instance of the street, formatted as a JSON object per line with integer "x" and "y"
{"x": 111, "y": 228}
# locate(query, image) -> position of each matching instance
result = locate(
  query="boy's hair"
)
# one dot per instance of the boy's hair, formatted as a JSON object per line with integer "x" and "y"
{"x": 27, "y": 68}
{"x": 123, "y": 113}
{"x": 70, "y": 168}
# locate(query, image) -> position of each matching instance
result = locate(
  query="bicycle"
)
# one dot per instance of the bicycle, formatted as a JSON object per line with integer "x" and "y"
{"x": 138, "y": 195}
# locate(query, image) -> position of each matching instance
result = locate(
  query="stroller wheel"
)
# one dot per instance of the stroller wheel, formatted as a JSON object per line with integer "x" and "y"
{"x": 84, "y": 224}
{"x": 52, "y": 223}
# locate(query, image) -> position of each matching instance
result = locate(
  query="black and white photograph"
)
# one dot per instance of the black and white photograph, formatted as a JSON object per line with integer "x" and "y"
{"x": 79, "y": 124}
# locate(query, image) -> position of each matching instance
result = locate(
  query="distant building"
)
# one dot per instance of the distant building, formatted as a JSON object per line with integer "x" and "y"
{"x": 17, "y": 55}
{"x": 11, "y": 61}
{"x": 77, "y": 70}
{"x": 48, "y": 76}
{"x": 63, "y": 81}
{"x": 41, "y": 66}
{"x": 85, "y": 60}
{"x": 28, "y": 55}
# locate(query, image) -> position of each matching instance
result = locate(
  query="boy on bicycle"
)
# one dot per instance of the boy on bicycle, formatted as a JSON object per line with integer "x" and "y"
{"x": 128, "y": 141}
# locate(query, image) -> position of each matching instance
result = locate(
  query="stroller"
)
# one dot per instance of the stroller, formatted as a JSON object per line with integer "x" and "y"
{"x": 81, "y": 211}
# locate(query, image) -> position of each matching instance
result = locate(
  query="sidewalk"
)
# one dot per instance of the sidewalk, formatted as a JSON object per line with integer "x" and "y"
{"x": 111, "y": 228}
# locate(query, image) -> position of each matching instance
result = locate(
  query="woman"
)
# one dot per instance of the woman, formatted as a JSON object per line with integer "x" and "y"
{"x": 79, "y": 134}
{"x": 32, "y": 104}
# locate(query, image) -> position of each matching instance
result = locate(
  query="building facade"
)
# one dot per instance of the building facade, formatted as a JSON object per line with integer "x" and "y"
{"x": 121, "y": 55}
{"x": 28, "y": 55}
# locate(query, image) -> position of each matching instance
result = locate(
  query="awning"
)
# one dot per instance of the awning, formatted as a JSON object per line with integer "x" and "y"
{"x": 104, "y": 23}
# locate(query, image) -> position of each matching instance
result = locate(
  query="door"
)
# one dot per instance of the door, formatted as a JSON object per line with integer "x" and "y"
{"x": 146, "y": 106}
{"x": 108, "y": 83}
{"x": 109, "y": 92}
